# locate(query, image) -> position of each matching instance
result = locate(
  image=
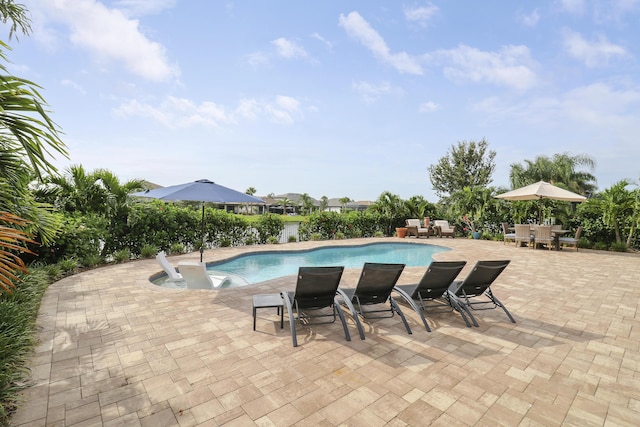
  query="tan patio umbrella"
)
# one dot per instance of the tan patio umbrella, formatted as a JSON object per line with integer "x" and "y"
{"x": 541, "y": 190}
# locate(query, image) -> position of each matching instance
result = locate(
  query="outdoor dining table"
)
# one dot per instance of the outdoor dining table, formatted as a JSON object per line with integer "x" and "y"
{"x": 555, "y": 233}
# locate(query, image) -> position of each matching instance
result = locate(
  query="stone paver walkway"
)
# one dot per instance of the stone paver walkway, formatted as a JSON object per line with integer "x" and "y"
{"x": 117, "y": 350}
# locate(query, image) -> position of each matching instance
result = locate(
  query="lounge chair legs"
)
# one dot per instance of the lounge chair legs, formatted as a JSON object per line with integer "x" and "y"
{"x": 395, "y": 307}
{"x": 292, "y": 321}
{"x": 415, "y": 307}
{"x": 353, "y": 311}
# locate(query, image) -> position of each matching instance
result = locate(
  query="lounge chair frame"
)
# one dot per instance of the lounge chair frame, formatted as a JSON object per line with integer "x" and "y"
{"x": 430, "y": 294}
{"x": 374, "y": 288}
{"x": 477, "y": 284}
{"x": 316, "y": 290}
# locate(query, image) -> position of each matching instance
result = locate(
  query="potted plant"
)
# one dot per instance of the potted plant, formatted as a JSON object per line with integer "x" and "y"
{"x": 471, "y": 224}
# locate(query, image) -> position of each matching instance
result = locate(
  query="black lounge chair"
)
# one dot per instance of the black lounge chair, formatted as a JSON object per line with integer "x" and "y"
{"x": 430, "y": 293}
{"x": 316, "y": 289}
{"x": 477, "y": 284}
{"x": 374, "y": 288}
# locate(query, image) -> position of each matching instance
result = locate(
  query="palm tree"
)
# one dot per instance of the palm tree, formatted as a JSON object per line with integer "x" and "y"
{"x": 343, "y": 203}
{"x": 616, "y": 203}
{"x": 324, "y": 203}
{"x": 561, "y": 169}
{"x": 75, "y": 191}
{"x": 307, "y": 203}
{"x": 28, "y": 137}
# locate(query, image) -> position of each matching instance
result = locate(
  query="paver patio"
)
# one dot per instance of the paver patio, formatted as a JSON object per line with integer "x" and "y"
{"x": 118, "y": 350}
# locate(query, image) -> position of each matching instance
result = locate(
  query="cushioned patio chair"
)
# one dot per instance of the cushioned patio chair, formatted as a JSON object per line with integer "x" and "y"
{"x": 430, "y": 293}
{"x": 444, "y": 229}
{"x": 315, "y": 297}
{"x": 373, "y": 291}
{"x": 507, "y": 235}
{"x": 523, "y": 235}
{"x": 572, "y": 241}
{"x": 196, "y": 276}
{"x": 542, "y": 236}
{"x": 173, "y": 275}
{"x": 414, "y": 228}
{"x": 477, "y": 284}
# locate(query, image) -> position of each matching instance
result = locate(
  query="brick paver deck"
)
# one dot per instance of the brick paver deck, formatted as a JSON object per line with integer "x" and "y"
{"x": 118, "y": 350}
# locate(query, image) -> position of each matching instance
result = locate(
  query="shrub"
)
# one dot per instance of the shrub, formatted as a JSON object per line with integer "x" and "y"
{"x": 316, "y": 237}
{"x": 176, "y": 248}
{"x": 269, "y": 225}
{"x": 601, "y": 246}
{"x": 92, "y": 260}
{"x": 584, "y": 243}
{"x": 122, "y": 255}
{"x": 225, "y": 242}
{"x": 18, "y": 312}
{"x": 378, "y": 234}
{"x": 292, "y": 239}
{"x": 68, "y": 265}
{"x": 618, "y": 247}
{"x": 148, "y": 251}
{"x": 53, "y": 272}
{"x": 339, "y": 235}
{"x": 272, "y": 240}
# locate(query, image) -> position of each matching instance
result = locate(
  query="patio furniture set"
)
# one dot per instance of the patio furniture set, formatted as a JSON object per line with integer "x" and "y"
{"x": 440, "y": 228}
{"x": 318, "y": 298}
{"x": 546, "y": 236}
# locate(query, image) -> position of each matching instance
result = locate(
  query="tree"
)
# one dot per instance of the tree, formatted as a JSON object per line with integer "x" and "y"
{"x": 75, "y": 191}
{"x": 251, "y": 191}
{"x": 618, "y": 205}
{"x": 28, "y": 137}
{"x": 307, "y": 203}
{"x": 418, "y": 207}
{"x": 324, "y": 203}
{"x": 469, "y": 164}
{"x": 562, "y": 170}
{"x": 393, "y": 208}
{"x": 343, "y": 203}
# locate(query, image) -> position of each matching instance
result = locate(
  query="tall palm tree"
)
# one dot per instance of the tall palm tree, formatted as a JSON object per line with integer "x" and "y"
{"x": 343, "y": 203}
{"x": 561, "y": 169}
{"x": 324, "y": 203}
{"x": 307, "y": 203}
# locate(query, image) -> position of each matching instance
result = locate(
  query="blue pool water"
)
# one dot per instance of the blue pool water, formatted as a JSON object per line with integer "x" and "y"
{"x": 257, "y": 267}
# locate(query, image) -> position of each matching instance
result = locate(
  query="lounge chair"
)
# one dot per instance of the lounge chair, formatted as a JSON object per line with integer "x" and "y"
{"x": 542, "y": 236}
{"x": 507, "y": 235}
{"x": 374, "y": 289}
{"x": 443, "y": 229}
{"x": 173, "y": 275}
{"x": 476, "y": 285}
{"x": 414, "y": 228}
{"x": 430, "y": 293}
{"x": 523, "y": 234}
{"x": 316, "y": 291}
{"x": 196, "y": 276}
{"x": 571, "y": 241}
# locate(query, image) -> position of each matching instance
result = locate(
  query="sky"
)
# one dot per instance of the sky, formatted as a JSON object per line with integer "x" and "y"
{"x": 334, "y": 98}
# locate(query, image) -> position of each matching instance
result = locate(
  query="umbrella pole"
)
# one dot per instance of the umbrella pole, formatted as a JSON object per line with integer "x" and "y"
{"x": 202, "y": 233}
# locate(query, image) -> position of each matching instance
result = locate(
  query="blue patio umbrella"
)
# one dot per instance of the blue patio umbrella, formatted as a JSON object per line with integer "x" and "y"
{"x": 203, "y": 191}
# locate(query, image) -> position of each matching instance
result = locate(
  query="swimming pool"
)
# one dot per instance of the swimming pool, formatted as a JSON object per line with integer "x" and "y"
{"x": 257, "y": 267}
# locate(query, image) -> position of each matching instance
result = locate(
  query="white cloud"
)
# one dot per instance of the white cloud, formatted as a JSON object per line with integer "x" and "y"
{"x": 593, "y": 54}
{"x": 289, "y": 49}
{"x": 322, "y": 39}
{"x": 359, "y": 29}
{"x": 531, "y": 20}
{"x": 181, "y": 113}
{"x": 370, "y": 92}
{"x": 575, "y": 7}
{"x": 110, "y": 36}
{"x": 429, "y": 107}
{"x": 74, "y": 86}
{"x": 422, "y": 15}
{"x": 511, "y": 66}
{"x": 143, "y": 7}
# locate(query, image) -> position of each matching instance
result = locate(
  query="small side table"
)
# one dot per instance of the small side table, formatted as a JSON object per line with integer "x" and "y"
{"x": 268, "y": 301}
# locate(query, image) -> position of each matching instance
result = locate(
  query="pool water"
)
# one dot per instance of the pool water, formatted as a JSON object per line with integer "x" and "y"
{"x": 257, "y": 267}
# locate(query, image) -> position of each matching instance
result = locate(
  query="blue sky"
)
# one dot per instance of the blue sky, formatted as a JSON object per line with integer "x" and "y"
{"x": 335, "y": 98}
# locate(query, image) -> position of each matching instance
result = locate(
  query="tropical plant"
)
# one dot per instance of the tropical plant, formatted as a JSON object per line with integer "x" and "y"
{"x": 391, "y": 207}
{"x": 617, "y": 206}
{"x": 269, "y": 225}
{"x": 12, "y": 243}
{"x": 343, "y": 203}
{"x": 562, "y": 170}
{"x": 324, "y": 203}
{"x": 307, "y": 203}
